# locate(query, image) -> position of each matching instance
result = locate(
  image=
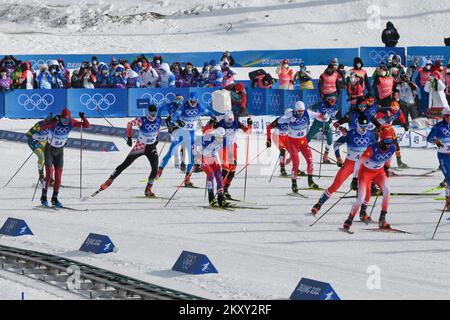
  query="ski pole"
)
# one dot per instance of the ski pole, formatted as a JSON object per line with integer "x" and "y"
{"x": 100, "y": 113}
{"x": 6, "y": 184}
{"x": 35, "y": 189}
{"x": 246, "y": 166}
{"x": 179, "y": 186}
{"x": 338, "y": 200}
{"x": 242, "y": 169}
{"x": 275, "y": 168}
{"x": 418, "y": 133}
{"x": 374, "y": 204}
{"x": 321, "y": 150}
{"x": 442, "y": 213}
{"x": 313, "y": 149}
{"x": 81, "y": 158}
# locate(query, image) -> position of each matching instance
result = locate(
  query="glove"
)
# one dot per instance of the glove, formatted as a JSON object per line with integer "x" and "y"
{"x": 339, "y": 162}
{"x": 212, "y": 121}
{"x": 438, "y": 143}
{"x": 36, "y": 144}
{"x": 330, "y": 120}
{"x": 129, "y": 141}
{"x": 268, "y": 143}
{"x": 81, "y": 114}
{"x": 354, "y": 184}
{"x": 180, "y": 123}
{"x": 406, "y": 127}
{"x": 249, "y": 121}
{"x": 234, "y": 163}
{"x": 336, "y": 124}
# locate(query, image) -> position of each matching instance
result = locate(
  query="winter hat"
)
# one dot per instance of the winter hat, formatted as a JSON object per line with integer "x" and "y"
{"x": 356, "y": 61}
{"x": 239, "y": 87}
{"x": 213, "y": 63}
{"x": 65, "y": 113}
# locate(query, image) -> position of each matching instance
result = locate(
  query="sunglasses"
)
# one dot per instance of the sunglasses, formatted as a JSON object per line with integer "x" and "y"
{"x": 152, "y": 113}
{"x": 388, "y": 141}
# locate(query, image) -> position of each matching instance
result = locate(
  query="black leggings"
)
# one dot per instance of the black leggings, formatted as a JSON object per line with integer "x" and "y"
{"x": 150, "y": 152}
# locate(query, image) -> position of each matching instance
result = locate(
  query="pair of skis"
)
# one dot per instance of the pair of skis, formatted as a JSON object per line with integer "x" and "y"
{"x": 44, "y": 207}
{"x": 392, "y": 230}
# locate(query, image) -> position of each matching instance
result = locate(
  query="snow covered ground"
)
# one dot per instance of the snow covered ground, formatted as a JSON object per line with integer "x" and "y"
{"x": 115, "y": 26}
{"x": 260, "y": 254}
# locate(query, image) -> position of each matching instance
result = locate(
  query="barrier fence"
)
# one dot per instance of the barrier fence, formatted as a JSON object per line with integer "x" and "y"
{"x": 97, "y": 103}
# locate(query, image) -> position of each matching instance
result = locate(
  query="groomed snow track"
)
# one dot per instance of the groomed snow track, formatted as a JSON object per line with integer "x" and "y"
{"x": 92, "y": 282}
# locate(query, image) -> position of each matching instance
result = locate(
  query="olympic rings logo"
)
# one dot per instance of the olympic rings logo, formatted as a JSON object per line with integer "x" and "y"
{"x": 311, "y": 99}
{"x": 383, "y": 157}
{"x": 380, "y": 56}
{"x": 191, "y": 112}
{"x": 257, "y": 98}
{"x": 151, "y": 127}
{"x": 360, "y": 142}
{"x": 97, "y": 101}
{"x": 159, "y": 98}
{"x": 291, "y": 99}
{"x": 446, "y": 132}
{"x": 207, "y": 98}
{"x": 62, "y": 131}
{"x": 274, "y": 101}
{"x": 35, "y": 101}
{"x": 188, "y": 262}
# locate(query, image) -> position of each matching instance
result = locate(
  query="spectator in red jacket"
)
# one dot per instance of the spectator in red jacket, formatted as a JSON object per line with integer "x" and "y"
{"x": 238, "y": 99}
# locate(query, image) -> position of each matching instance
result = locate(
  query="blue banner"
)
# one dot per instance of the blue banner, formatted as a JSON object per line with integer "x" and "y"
{"x": 34, "y": 103}
{"x": 429, "y": 53}
{"x": 256, "y": 101}
{"x": 157, "y": 96}
{"x": 98, "y": 103}
{"x": 92, "y": 145}
{"x": 309, "y": 289}
{"x": 249, "y": 58}
{"x": 194, "y": 263}
{"x": 373, "y": 56}
{"x": 15, "y": 227}
{"x": 98, "y": 244}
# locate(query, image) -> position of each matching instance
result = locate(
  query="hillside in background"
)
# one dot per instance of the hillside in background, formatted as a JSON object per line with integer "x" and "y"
{"x": 62, "y": 26}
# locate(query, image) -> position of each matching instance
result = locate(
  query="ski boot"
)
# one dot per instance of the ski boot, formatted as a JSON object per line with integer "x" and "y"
{"x": 148, "y": 190}
{"x": 301, "y": 173}
{"x": 187, "y": 182}
{"x": 222, "y": 202}
{"x": 44, "y": 201}
{"x": 326, "y": 159}
{"x": 55, "y": 201}
{"x": 316, "y": 208}
{"x": 226, "y": 194}
{"x": 382, "y": 221}
{"x": 183, "y": 166}
{"x": 294, "y": 186}
{"x": 106, "y": 184}
{"x": 283, "y": 172}
{"x": 401, "y": 164}
{"x": 348, "y": 223}
{"x": 212, "y": 200}
{"x": 159, "y": 172}
{"x": 197, "y": 168}
{"x": 363, "y": 216}
{"x": 311, "y": 183}
{"x": 442, "y": 184}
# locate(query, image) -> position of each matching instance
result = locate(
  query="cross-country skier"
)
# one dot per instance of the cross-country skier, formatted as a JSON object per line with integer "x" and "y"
{"x": 207, "y": 148}
{"x": 327, "y": 112}
{"x": 37, "y": 139}
{"x": 373, "y": 166}
{"x": 149, "y": 127}
{"x": 59, "y": 130}
{"x": 297, "y": 141}
{"x": 186, "y": 118}
{"x": 355, "y": 113}
{"x": 440, "y": 136}
{"x": 172, "y": 127}
{"x": 280, "y": 137}
{"x": 357, "y": 140}
{"x": 387, "y": 119}
{"x": 228, "y": 154}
